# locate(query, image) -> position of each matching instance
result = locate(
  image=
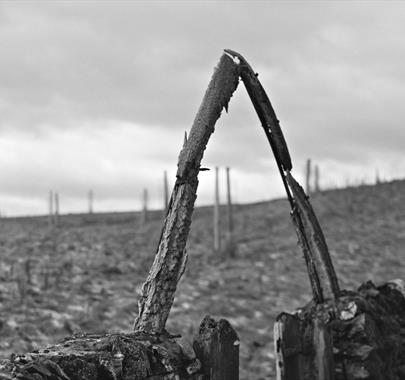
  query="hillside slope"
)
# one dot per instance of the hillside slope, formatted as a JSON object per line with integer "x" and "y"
{"x": 86, "y": 274}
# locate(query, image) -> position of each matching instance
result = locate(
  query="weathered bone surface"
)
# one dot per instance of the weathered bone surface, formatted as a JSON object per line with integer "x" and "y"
{"x": 160, "y": 286}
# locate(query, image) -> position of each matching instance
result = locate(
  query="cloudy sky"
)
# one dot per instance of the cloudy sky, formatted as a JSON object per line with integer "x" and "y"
{"x": 97, "y": 95}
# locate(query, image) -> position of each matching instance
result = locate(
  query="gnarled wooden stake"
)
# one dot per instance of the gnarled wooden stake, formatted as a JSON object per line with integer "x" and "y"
{"x": 320, "y": 269}
{"x": 321, "y": 272}
{"x": 169, "y": 264}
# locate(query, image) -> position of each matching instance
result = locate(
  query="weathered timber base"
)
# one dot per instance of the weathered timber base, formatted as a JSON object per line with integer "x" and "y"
{"x": 360, "y": 336}
{"x": 217, "y": 346}
{"x": 122, "y": 356}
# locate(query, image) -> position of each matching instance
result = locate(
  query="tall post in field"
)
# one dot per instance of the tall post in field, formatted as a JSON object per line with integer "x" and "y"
{"x": 377, "y": 177}
{"x": 229, "y": 202}
{"x": 91, "y": 198}
{"x": 316, "y": 179}
{"x": 56, "y": 208}
{"x": 145, "y": 206}
{"x": 217, "y": 237}
{"x": 308, "y": 177}
{"x": 165, "y": 191}
{"x": 230, "y": 249}
{"x": 50, "y": 205}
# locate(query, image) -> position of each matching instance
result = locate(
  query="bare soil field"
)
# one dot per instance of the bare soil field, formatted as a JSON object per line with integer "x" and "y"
{"x": 86, "y": 274}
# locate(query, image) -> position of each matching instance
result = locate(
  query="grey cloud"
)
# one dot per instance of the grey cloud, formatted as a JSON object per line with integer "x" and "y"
{"x": 333, "y": 70}
{"x": 137, "y": 61}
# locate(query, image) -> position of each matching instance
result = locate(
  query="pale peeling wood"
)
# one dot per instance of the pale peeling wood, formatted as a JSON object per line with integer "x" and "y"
{"x": 324, "y": 365}
{"x": 304, "y": 349}
{"x": 158, "y": 290}
{"x": 288, "y": 346}
{"x": 321, "y": 272}
{"x": 278, "y": 338}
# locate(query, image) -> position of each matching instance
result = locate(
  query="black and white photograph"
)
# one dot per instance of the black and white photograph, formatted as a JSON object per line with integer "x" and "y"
{"x": 202, "y": 190}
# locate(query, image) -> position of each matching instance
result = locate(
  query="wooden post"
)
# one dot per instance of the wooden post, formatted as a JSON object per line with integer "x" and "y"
{"x": 217, "y": 347}
{"x": 316, "y": 179}
{"x": 165, "y": 192}
{"x": 56, "y": 208}
{"x": 304, "y": 350}
{"x": 229, "y": 201}
{"x": 323, "y": 364}
{"x": 50, "y": 204}
{"x": 171, "y": 255}
{"x": 145, "y": 206}
{"x": 90, "y": 199}
{"x": 377, "y": 177}
{"x": 308, "y": 177}
{"x": 217, "y": 237}
{"x": 287, "y": 346}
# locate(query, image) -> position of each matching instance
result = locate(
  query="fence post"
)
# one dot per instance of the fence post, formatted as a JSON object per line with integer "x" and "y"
{"x": 230, "y": 249}
{"x": 287, "y": 342}
{"x": 165, "y": 191}
{"x": 217, "y": 237}
{"x": 308, "y": 177}
{"x": 217, "y": 347}
{"x": 145, "y": 206}
{"x": 50, "y": 205}
{"x": 324, "y": 365}
{"x": 377, "y": 177}
{"x": 229, "y": 201}
{"x": 304, "y": 351}
{"x": 316, "y": 179}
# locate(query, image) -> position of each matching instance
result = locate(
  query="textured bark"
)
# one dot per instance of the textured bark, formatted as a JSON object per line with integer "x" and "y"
{"x": 360, "y": 336}
{"x": 289, "y": 350}
{"x": 133, "y": 356}
{"x": 160, "y": 286}
{"x": 320, "y": 268}
{"x": 324, "y": 365}
{"x": 217, "y": 346}
{"x": 108, "y": 357}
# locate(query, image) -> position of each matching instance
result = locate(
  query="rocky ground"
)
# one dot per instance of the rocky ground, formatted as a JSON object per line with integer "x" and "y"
{"x": 86, "y": 274}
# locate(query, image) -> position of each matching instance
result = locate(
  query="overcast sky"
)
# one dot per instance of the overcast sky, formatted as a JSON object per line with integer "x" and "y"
{"x": 97, "y": 95}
